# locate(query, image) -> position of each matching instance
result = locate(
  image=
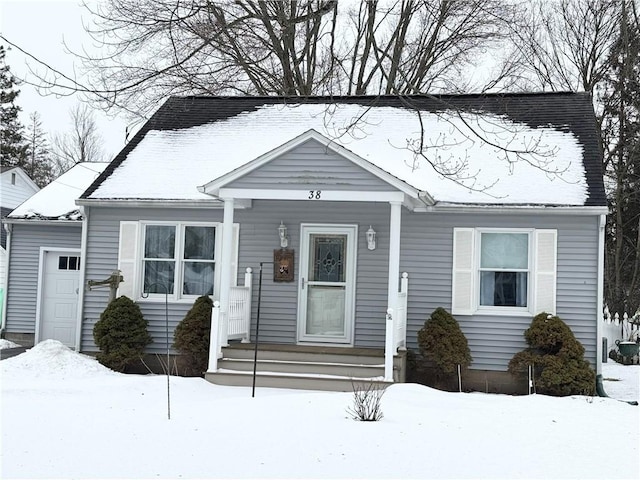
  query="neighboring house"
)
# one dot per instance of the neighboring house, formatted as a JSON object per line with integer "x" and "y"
{"x": 333, "y": 200}
{"x": 44, "y": 239}
{"x": 15, "y": 187}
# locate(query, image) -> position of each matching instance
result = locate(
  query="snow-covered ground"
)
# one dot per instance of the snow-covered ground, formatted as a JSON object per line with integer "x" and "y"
{"x": 7, "y": 344}
{"x": 66, "y": 416}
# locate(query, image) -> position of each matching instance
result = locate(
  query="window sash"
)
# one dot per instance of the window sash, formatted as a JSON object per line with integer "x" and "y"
{"x": 188, "y": 264}
{"x": 504, "y": 289}
{"x": 504, "y": 267}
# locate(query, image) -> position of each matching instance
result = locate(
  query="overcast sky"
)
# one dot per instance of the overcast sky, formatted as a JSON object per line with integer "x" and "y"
{"x": 42, "y": 27}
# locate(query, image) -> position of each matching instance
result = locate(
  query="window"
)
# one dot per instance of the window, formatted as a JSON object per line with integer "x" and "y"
{"x": 177, "y": 255}
{"x": 182, "y": 255}
{"x": 13, "y": 179}
{"x": 504, "y": 269}
{"x": 500, "y": 271}
{"x": 66, "y": 262}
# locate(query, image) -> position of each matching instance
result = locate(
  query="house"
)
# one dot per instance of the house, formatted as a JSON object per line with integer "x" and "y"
{"x": 44, "y": 261}
{"x": 15, "y": 187}
{"x": 338, "y": 224}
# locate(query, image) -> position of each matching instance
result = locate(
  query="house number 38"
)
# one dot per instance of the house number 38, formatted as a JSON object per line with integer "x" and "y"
{"x": 315, "y": 194}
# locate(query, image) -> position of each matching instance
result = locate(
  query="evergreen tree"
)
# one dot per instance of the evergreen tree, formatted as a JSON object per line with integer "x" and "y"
{"x": 12, "y": 144}
{"x": 621, "y": 142}
{"x": 38, "y": 165}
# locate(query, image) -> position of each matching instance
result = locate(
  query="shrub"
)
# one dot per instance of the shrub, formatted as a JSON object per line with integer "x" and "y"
{"x": 121, "y": 334}
{"x": 367, "y": 402}
{"x": 442, "y": 342}
{"x": 557, "y": 358}
{"x": 191, "y": 338}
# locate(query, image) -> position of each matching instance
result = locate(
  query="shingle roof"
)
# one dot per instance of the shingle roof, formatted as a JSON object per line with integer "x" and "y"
{"x": 568, "y": 112}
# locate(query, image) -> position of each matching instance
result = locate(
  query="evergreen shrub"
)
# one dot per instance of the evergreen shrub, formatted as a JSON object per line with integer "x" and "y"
{"x": 557, "y": 358}
{"x": 443, "y": 343}
{"x": 191, "y": 338}
{"x": 121, "y": 334}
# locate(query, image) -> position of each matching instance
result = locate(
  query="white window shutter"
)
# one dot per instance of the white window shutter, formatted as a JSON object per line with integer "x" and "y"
{"x": 128, "y": 258}
{"x": 463, "y": 271}
{"x": 545, "y": 271}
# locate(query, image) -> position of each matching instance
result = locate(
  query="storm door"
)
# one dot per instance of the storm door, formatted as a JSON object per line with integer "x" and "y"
{"x": 327, "y": 283}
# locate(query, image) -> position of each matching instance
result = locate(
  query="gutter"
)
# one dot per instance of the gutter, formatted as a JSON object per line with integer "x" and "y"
{"x": 3, "y": 320}
{"x": 514, "y": 209}
{"x": 158, "y": 203}
{"x": 31, "y": 221}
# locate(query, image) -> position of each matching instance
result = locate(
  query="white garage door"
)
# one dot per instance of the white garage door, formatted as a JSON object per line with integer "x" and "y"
{"x": 60, "y": 297}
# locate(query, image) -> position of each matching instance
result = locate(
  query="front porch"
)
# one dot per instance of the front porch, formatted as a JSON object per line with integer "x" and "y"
{"x": 308, "y": 367}
{"x": 304, "y": 366}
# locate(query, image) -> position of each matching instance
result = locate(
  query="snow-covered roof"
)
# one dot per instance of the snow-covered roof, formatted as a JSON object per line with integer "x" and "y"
{"x": 56, "y": 201}
{"x": 504, "y": 149}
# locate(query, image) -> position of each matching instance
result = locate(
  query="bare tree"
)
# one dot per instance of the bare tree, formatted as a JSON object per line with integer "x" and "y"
{"x": 82, "y": 143}
{"x": 156, "y": 48}
{"x": 621, "y": 138}
{"x": 564, "y": 44}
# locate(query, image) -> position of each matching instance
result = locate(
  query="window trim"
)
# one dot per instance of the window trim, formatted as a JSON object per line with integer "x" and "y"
{"x": 505, "y": 310}
{"x": 542, "y": 288}
{"x": 176, "y": 296}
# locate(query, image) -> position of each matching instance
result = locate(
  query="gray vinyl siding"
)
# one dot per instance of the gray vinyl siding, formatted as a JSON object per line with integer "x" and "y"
{"x": 427, "y": 254}
{"x": 278, "y": 311}
{"x": 257, "y": 241}
{"x": 311, "y": 165}
{"x": 22, "y": 295}
{"x": 102, "y": 260}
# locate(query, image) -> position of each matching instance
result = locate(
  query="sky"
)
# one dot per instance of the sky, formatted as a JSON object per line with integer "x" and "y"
{"x": 42, "y": 27}
{"x": 66, "y": 416}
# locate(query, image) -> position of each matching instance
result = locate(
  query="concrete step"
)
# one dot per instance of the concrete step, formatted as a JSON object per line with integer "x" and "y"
{"x": 300, "y": 353}
{"x": 296, "y": 381}
{"x": 304, "y": 367}
{"x": 309, "y": 367}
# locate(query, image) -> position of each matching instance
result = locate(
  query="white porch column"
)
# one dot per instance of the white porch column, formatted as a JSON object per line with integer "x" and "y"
{"x": 225, "y": 270}
{"x": 394, "y": 254}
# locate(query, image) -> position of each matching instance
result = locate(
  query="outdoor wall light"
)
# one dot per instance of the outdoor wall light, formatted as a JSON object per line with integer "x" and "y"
{"x": 282, "y": 232}
{"x": 371, "y": 238}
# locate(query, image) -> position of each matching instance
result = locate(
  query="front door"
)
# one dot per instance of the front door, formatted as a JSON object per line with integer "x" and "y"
{"x": 327, "y": 283}
{"x": 59, "y": 303}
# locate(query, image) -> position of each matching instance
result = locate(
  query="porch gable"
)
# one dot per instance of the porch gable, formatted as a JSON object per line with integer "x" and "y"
{"x": 311, "y": 162}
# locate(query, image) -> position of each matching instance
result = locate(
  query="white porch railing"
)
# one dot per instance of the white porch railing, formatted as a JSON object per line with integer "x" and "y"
{"x": 240, "y": 310}
{"x": 619, "y": 327}
{"x": 396, "y": 327}
{"x": 235, "y": 324}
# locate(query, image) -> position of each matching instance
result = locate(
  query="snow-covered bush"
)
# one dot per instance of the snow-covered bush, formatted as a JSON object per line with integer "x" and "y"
{"x": 121, "y": 334}
{"x": 557, "y": 358}
{"x": 191, "y": 338}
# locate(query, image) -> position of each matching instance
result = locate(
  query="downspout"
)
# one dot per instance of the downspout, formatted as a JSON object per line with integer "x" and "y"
{"x": 600, "y": 305}
{"x": 84, "y": 210}
{"x": 8, "y": 227}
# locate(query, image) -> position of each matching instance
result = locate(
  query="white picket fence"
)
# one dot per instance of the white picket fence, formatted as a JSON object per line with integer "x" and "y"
{"x": 623, "y": 327}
